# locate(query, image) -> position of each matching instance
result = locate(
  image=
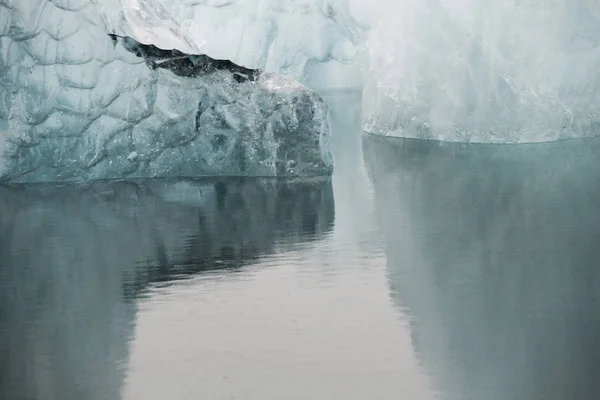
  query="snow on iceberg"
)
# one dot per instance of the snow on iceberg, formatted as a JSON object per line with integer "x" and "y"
{"x": 78, "y": 104}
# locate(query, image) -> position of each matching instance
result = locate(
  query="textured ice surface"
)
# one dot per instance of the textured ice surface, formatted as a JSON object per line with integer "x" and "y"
{"x": 488, "y": 71}
{"x": 314, "y": 41}
{"x": 147, "y": 21}
{"x": 285, "y": 36}
{"x": 74, "y": 105}
{"x": 453, "y": 70}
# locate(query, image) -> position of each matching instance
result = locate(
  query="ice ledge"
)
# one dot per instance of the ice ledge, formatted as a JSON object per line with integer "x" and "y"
{"x": 141, "y": 112}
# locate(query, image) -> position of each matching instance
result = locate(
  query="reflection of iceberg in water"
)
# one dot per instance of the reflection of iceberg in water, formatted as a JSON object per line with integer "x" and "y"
{"x": 493, "y": 252}
{"x": 73, "y": 258}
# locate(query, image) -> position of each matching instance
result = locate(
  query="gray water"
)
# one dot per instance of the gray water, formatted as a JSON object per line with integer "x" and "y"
{"x": 421, "y": 270}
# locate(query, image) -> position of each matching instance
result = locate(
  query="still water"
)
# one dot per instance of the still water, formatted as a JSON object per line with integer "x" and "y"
{"x": 419, "y": 271}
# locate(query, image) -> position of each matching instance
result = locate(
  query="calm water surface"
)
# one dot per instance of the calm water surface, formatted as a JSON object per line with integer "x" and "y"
{"x": 419, "y": 271}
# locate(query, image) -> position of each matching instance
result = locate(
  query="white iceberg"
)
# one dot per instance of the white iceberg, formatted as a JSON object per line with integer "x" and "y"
{"x": 484, "y": 71}
{"x": 451, "y": 70}
{"x": 295, "y": 38}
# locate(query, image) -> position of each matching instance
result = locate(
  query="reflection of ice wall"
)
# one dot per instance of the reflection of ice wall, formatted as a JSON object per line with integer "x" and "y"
{"x": 74, "y": 258}
{"x": 492, "y": 252}
{"x": 490, "y": 71}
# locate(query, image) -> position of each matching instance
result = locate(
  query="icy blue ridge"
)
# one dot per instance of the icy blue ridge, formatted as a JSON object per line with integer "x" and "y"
{"x": 77, "y": 105}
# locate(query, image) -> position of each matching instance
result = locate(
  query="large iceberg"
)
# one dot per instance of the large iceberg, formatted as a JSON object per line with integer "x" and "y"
{"x": 484, "y": 71}
{"x": 315, "y": 41}
{"x": 452, "y": 70}
{"x": 77, "y": 103}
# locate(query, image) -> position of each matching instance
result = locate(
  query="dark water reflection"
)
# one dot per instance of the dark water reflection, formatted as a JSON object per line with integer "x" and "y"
{"x": 73, "y": 259}
{"x": 494, "y": 254}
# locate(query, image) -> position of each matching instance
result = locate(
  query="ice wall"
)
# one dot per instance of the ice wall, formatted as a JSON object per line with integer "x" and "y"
{"x": 484, "y": 71}
{"x": 147, "y": 21}
{"x": 315, "y": 41}
{"x": 78, "y": 105}
{"x": 453, "y": 70}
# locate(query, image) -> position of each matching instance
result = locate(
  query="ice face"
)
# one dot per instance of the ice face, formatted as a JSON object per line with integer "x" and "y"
{"x": 148, "y": 22}
{"x": 313, "y": 41}
{"x": 452, "y": 70}
{"x": 484, "y": 71}
{"x": 285, "y": 36}
{"x": 78, "y": 104}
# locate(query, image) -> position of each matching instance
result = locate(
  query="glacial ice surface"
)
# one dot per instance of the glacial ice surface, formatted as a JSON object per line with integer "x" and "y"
{"x": 75, "y": 105}
{"x": 484, "y": 71}
{"x": 284, "y": 36}
{"x": 451, "y": 70}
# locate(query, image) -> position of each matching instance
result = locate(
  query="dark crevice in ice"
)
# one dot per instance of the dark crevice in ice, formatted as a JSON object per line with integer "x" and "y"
{"x": 183, "y": 64}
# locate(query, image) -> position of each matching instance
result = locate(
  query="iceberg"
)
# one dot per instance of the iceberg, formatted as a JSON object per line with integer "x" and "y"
{"x": 103, "y": 90}
{"x": 295, "y": 38}
{"x": 484, "y": 71}
{"x": 448, "y": 70}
